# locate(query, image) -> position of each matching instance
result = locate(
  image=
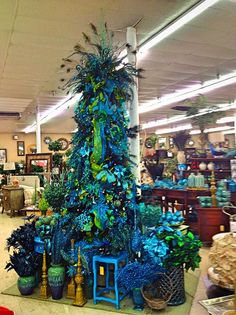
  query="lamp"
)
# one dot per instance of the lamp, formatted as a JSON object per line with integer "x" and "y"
{"x": 9, "y": 166}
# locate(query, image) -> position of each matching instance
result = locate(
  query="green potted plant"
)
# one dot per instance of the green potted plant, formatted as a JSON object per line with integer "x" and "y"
{"x": 55, "y": 146}
{"x": 175, "y": 251}
{"x": 23, "y": 259}
{"x": 61, "y": 236}
{"x": 43, "y": 205}
{"x": 55, "y": 194}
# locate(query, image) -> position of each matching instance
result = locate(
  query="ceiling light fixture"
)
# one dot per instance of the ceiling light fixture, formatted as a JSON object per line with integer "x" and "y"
{"x": 192, "y": 91}
{"x": 179, "y": 118}
{"x": 54, "y": 111}
{"x": 180, "y": 21}
{"x": 174, "y": 129}
{"x": 208, "y": 130}
{"x": 226, "y": 120}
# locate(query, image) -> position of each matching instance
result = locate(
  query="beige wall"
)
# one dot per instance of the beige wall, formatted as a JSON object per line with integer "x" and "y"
{"x": 7, "y": 142}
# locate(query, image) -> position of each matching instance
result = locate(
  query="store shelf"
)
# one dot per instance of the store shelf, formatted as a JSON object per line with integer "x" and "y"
{"x": 212, "y": 159}
{"x": 207, "y": 171}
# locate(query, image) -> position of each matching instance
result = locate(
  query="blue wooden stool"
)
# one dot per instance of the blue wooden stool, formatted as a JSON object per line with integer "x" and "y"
{"x": 107, "y": 260}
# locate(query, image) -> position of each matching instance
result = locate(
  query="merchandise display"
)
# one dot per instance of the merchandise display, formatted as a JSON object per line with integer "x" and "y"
{"x": 97, "y": 217}
{"x": 118, "y": 157}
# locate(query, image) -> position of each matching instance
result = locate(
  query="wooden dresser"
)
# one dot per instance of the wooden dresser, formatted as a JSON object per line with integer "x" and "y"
{"x": 13, "y": 199}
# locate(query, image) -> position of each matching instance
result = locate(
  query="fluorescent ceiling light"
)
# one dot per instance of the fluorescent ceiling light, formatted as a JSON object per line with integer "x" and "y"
{"x": 177, "y": 24}
{"x": 216, "y": 129}
{"x": 192, "y": 91}
{"x": 226, "y": 120}
{"x": 229, "y": 132}
{"x": 54, "y": 111}
{"x": 175, "y": 129}
{"x": 179, "y": 118}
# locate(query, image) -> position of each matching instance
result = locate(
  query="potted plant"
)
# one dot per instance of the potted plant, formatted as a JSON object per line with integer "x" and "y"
{"x": 174, "y": 251}
{"x": 136, "y": 275}
{"x": 55, "y": 194}
{"x": 43, "y": 205}
{"x": 23, "y": 259}
{"x": 61, "y": 237}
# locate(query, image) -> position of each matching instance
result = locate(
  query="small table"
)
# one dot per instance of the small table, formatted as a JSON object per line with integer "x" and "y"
{"x": 107, "y": 260}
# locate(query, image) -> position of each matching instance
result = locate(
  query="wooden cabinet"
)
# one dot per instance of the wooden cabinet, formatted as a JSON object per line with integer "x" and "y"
{"x": 13, "y": 198}
{"x": 210, "y": 222}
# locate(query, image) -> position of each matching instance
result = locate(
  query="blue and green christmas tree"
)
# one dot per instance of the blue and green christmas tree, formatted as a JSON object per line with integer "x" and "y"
{"x": 101, "y": 187}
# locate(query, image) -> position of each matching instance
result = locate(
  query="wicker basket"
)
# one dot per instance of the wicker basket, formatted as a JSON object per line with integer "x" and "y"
{"x": 153, "y": 296}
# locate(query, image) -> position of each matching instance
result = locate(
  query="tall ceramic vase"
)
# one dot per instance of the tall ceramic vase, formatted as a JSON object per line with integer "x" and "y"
{"x": 56, "y": 279}
{"x": 26, "y": 285}
{"x": 176, "y": 275}
{"x": 181, "y": 157}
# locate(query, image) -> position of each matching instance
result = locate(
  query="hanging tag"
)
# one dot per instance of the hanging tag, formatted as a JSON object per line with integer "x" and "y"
{"x": 101, "y": 271}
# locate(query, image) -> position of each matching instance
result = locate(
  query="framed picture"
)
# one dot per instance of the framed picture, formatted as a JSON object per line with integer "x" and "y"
{"x": 3, "y": 156}
{"x": 20, "y": 148}
{"x": 38, "y": 163}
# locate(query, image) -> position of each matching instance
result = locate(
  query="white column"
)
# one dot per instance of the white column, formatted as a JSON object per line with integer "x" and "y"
{"x": 38, "y": 130}
{"x": 133, "y": 106}
{"x": 234, "y": 129}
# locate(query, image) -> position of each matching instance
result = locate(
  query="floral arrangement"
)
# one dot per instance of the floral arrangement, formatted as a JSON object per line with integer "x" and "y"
{"x": 23, "y": 259}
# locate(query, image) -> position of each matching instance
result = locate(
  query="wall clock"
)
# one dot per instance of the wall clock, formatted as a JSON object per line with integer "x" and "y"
{"x": 64, "y": 143}
{"x": 47, "y": 140}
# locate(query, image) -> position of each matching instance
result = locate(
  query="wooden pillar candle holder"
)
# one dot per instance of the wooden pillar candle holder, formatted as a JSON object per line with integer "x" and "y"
{"x": 79, "y": 279}
{"x": 213, "y": 190}
{"x": 44, "y": 289}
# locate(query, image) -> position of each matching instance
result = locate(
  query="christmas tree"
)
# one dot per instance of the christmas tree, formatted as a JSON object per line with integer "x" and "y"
{"x": 101, "y": 187}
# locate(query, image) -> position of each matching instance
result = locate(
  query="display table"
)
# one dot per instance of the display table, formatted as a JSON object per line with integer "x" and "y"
{"x": 169, "y": 197}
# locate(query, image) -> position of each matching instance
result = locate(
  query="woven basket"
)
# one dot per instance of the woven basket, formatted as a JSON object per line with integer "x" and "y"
{"x": 154, "y": 296}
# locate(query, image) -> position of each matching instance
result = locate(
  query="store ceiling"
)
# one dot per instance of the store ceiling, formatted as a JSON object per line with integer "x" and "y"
{"x": 36, "y": 35}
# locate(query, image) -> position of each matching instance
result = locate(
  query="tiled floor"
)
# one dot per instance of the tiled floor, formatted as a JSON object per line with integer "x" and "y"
{"x": 23, "y": 306}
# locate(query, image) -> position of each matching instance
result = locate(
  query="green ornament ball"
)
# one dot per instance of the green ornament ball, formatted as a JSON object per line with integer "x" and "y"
{"x": 117, "y": 203}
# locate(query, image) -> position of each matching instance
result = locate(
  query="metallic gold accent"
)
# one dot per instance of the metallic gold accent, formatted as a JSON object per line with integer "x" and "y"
{"x": 44, "y": 289}
{"x": 79, "y": 279}
{"x": 213, "y": 190}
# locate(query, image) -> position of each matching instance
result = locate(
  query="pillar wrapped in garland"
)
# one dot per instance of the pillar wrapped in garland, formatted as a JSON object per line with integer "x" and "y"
{"x": 101, "y": 187}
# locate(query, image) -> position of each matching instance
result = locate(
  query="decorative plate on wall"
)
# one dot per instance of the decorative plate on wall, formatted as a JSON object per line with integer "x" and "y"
{"x": 148, "y": 143}
{"x": 64, "y": 142}
{"x": 47, "y": 140}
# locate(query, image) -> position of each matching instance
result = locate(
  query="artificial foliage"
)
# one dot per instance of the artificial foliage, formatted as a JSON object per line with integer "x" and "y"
{"x": 137, "y": 275}
{"x": 55, "y": 146}
{"x": 55, "y": 192}
{"x": 203, "y": 121}
{"x": 43, "y": 205}
{"x": 100, "y": 182}
{"x": 180, "y": 139}
{"x": 20, "y": 243}
{"x": 150, "y": 214}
